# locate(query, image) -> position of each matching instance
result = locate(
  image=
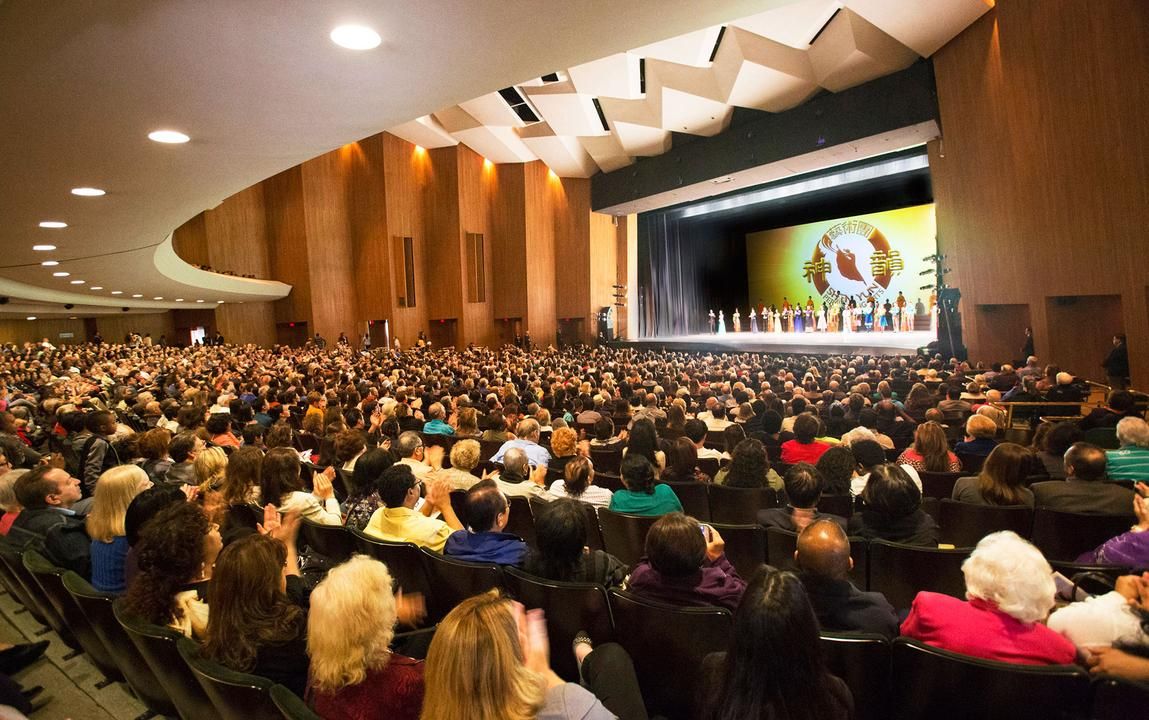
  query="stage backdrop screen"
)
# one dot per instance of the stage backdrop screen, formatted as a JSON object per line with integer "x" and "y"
{"x": 876, "y": 254}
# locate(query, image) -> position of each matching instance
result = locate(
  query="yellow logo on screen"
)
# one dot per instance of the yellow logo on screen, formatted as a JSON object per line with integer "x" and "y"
{"x": 853, "y": 258}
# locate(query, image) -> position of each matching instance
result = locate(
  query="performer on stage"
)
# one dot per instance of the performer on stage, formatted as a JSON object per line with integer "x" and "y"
{"x": 823, "y": 320}
{"x": 737, "y": 326}
{"x": 711, "y": 321}
{"x": 721, "y": 323}
{"x": 776, "y": 318}
{"x": 798, "y": 323}
{"x": 810, "y": 326}
{"x": 832, "y": 317}
{"x": 753, "y": 320}
{"x": 888, "y": 315}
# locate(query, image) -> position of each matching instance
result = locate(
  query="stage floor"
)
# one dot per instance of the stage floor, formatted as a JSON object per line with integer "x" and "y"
{"x": 882, "y": 343}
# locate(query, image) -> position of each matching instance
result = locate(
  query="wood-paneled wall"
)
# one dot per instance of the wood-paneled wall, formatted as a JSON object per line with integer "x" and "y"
{"x": 1042, "y": 177}
{"x": 114, "y": 328}
{"x": 20, "y": 331}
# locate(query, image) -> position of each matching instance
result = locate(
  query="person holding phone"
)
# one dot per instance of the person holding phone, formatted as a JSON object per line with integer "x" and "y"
{"x": 686, "y": 564}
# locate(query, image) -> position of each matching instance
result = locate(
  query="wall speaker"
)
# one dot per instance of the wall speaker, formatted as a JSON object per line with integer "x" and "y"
{"x": 124, "y": 309}
{"x": 68, "y": 306}
{"x": 3, "y": 301}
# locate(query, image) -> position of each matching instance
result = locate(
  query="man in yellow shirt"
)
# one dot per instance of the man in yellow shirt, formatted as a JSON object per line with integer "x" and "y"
{"x": 398, "y": 521}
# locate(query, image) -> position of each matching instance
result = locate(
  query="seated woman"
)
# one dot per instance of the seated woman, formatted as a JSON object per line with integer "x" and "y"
{"x": 281, "y": 485}
{"x": 564, "y": 448}
{"x": 578, "y": 484}
{"x": 685, "y": 564}
{"x": 1001, "y": 480}
{"x": 560, "y": 527}
{"x": 363, "y": 495}
{"x": 464, "y": 458}
{"x": 979, "y": 436}
{"x": 643, "y": 441}
{"x": 804, "y": 447}
{"x": 175, "y": 555}
{"x": 753, "y": 679}
{"x": 115, "y": 491}
{"x": 930, "y": 451}
{"x": 1119, "y": 618}
{"x": 153, "y": 446}
{"x": 837, "y": 466}
{"x": 682, "y": 463}
{"x": 804, "y": 486}
{"x": 640, "y": 495}
{"x": 489, "y": 661}
{"x": 256, "y": 624}
{"x": 495, "y": 428}
{"x": 675, "y": 423}
{"x": 893, "y": 510}
{"x": 1009, "y": 593}
{"x": 468, "y": 423}
{"x": 749, "y": 468}
{"x": 350, "y": 626}
{"x": 1058, "y": 439}
{"x": 8, "y": 501}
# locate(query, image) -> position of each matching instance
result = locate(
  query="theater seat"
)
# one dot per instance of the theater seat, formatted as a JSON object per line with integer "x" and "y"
{"x": 624, "y": 535}
{"x": 33, "y": 597}
{"x": 941, "y": 685}
{"x": 569, "y": 608}
{"x": 608, "y": 461}
{"x": 693, "y": 496}
{"x": 522, "y": 520}
{"x": 1066, "y": 535}
{"x": 739, "y": 506}
{"x": 745, "y": 547}
{"x": 1116, "y": 698}
{"x": 235, "y": 695}
{"x": 403, "y": 561}
{"x": 900, "y": 571}
{"x": 970, "y": 464}
{"x": 334, "y": 542}
{"x": 781, "y": 544}
{"x": 863, "y": 661}
{"x": 667, "y": 645}
{"x": 290, "y": 705}
{"x": 453, "y": 581}
{"x": 965, "y": 524}
{"x": 939, "y": 484}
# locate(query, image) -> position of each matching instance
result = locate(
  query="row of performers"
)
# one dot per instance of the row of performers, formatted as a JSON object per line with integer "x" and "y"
{"x": 869, "y": 315}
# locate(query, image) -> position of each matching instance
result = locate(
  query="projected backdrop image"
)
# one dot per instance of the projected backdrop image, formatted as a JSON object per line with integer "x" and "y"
{"x": 876, "y": 254}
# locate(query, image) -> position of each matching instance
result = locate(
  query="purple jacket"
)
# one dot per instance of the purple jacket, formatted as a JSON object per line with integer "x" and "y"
{"x": 1130, "y": 549}
{"x": 715, "y": 583}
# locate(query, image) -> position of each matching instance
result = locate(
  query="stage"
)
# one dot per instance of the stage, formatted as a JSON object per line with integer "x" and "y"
{"x": 816, "y": 343}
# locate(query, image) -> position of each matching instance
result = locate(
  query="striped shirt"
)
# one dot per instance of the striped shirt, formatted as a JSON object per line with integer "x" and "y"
{"x": 1129, "y": 463}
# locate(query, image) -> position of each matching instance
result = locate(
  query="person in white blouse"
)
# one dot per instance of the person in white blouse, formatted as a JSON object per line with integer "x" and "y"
{"x": 281, "y": 485}
{"x": 578, "y": 484}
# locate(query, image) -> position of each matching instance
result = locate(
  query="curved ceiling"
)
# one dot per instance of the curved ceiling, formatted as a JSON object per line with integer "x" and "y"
{"x": 259, "y": 87}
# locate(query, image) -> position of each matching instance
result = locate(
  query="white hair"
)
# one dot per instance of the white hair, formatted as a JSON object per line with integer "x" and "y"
{"x": 1064, "y": 378}
{"x": 858, "y": 433}
{"x": 1012, "y": 574}
{"x": 1133, "y": 431}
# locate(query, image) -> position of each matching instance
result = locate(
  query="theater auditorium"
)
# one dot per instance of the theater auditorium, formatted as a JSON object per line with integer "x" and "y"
{"x": 496, "y": 360}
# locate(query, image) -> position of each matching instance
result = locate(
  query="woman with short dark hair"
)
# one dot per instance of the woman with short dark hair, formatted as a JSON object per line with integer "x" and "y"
{"x": 640, "y": 495}
{"x": 685, "y": 564}
{"x": 561, "y": 552}
{"x": 893, "y": 509}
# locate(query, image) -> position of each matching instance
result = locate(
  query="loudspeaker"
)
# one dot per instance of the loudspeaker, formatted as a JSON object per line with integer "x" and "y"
{"x": 125, "y": 309}
{"x": 68, "y": 306}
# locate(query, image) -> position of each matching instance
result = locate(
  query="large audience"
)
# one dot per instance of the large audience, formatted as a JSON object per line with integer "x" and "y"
{"x": 138, "y": 467}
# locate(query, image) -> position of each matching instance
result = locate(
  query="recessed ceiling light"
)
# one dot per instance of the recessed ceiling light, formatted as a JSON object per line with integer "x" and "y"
{"x": 61, "y": 274}
{"x": 78, "y": 282}
{"x": 96, "y": 287}
{"x": 137, "y": 295}
{"x": 199, "y": 301}
{"x": 170, "y": 137}
{"x": 31, "y": 317}
{"x": 117, "y": 292}
{"x": 355, "y": 37}
{"x": 43, "y": 248}
{"x": 50, "y": 263}
{"x": 158, "y": 297}
{"x": 53, "y": 224}
{"x": 88, "y": 192}
{"x": 179, "y": 299}
{"x": 219, "y": 302}
{"x": 71, "y": 317}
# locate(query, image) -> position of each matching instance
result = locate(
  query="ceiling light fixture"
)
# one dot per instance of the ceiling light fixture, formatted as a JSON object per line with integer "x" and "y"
{"x": 179, "y": 299}
{"x": 61, "y": 274}
{"x": 53, "y": 224}
{"x": 137, "y": 295}
{"x": 78, "y": 282}
{"x": 88, "y": 192}
{"x": 168, "y": 137}
{"x": 219, "y": 302}
{"x": 355, "y": 37}
{"x": 117, "y": 292}
{"x": 158, "y": 297}
{"x": 31, "y": 317}
{"x": 199, "y": 301}
{"x": 96, "y": 287}
{"x": 50, "y": 263}
{"x": 43, "y": 248}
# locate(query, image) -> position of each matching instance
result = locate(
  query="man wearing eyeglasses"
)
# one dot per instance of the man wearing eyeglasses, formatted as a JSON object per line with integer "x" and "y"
{"x": 399, "y": 521}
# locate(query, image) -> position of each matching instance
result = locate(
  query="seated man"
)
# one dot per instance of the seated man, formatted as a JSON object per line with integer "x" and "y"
{"x": 979, "y": 436}
{"x": 804, "y": 485}
{"x": 183, "y": 450}
{"x": 518, "y": 479}
{"x": 437, "y": 425}
{"x": 604, "y": 436}
{"x": 695, "y": 431}
{"x": 398, "y": 521}
{"x": 824, "y": 562}
{"x": 1084, "y": 489}
{"x": 47, "y": 495}
{"x": 1131, "y": 460}
{"x": 953, "y": 407}
{"x": 487, "y": 512}
{"x": 527, "y": 440}
{"x": 412, "y": 453}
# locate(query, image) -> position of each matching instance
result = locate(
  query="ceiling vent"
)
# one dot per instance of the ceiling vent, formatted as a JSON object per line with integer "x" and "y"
{"x": 519, "y": 105}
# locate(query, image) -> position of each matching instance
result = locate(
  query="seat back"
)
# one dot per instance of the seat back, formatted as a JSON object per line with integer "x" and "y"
{"x": 608, "y": 480}
{"x": 900, "y": 571}
{"x": 290, "y": 705}
{"x": 840, "y": 505}
{"x": 939, "y": 484}
{"x": 453, "y": 581}
{"x": 606, "y": 460}
{"x": 745, "y": 547}
{"x": 235, "y": 695}
{"x": 970, "y": 464}
{"x": 863, "y": 661}
{"x": 693, "y": 496}
{"x": 403, "y": 561}
{"x": 739, "y": 506}
{"x": 97, "y": 608}
{"x": 1066, "y": 535}
{"x": 157, "y": 645}
{"x": 43, "y": 607}
{"x": 331, "y": 541}
{"x": 569, "y": 608}
{"x": 522, "y": 520}
{"x": 488, "y": 448}
{"x": 663, "y": 641}
{"x": 940, "y": 685}
{"x": 1103, "y": 437}
{"x": 965, "y": 524}
{"x": 1116, "y": 698}
{"x": 624, "y": 535}
{"x": 51, "y": 581}
{"x": 710, "y": 466}
{"x": 12, "y": 584}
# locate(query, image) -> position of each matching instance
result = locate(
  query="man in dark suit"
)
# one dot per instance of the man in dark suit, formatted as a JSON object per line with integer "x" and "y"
{"x": 823, "y": 559}
{"x": 1084, "y": 490}
{"x": 1116, "y": 364}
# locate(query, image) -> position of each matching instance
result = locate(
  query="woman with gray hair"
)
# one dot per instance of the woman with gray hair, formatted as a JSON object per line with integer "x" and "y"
{"x": 1009, "y": 592}
{"x": 1131, "y": 460}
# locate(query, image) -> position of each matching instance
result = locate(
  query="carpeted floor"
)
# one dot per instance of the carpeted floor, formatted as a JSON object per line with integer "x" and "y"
{"x": 71, "y": 684}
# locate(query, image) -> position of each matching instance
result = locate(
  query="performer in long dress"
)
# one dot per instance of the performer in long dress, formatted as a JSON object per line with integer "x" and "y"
{"x": 753, "y": 320}
{"x": 768, "y": 319}
{"x": 721, "y": 323}
{"x": 711, "y": 321}
{"x": 811, "y": 325}
{"x": 823, "y": 321}
{"x": 737, "y": 325}
{"x": 832, "y": 318}
{"x": 777, "y": 318}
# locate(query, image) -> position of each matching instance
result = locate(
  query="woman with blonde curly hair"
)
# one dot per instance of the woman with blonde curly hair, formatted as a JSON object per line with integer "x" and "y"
{"x": 490, "y": 661}
{"x": 350, "y": 627}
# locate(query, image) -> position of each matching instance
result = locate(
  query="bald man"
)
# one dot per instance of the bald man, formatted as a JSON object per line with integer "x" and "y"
{"x": 1085, "y": 489}
{"x": 823, "y": 560}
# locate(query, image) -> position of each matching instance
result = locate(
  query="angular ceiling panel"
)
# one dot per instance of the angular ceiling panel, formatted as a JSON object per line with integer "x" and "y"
{"x": 686, "y": 99}
{"x": 852, "y": 50}
{"x": 922, "y": 25}
{"x": 794, "y": 25}
{"x": 756, "y": 72}
{"x": 562, "y": 154}
{"x": 615, "y": 76}
{"x": 492, "y": 109}
{"x": 607, "y": 151}
{"x": 566, "y": 111}
{"x": 689, "y": 49}
{"x": 425, "y": 132}
{"x": 636, "y": 126}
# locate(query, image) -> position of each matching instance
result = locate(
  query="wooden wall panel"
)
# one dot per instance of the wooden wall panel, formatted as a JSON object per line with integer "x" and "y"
{"x": 287, "y": 243}
{"x": 571, "y": 203}
{"x": 603, "y": 232}
{"x": 236, "y": 234}
{"x": 443, "y": 250}
{"x": 20, "y": 331}
{"x": 329, "y": 247}
{"x": 367, "y": 193}
{"x": 1040, "y": 182}
{"x": 114, "y": 328}
{"x": 508, "y": 238}
{"x": 539, "y": 251}
{"x": 247, "y": 323}
{"x": 1086, "y": 326}
{"x": 406, "y": 169}
{"x": 190, "y": 241}
{"x": 477, "y": 187}
{"x": 1001, "y": 332}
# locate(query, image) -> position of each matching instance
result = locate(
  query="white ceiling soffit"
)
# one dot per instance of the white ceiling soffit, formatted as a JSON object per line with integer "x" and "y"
{"x": 259, "y": 87}
{"x": 912, "y": 136}
{"x": 562, "y": 154}
{"x": 773, "y": 60}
